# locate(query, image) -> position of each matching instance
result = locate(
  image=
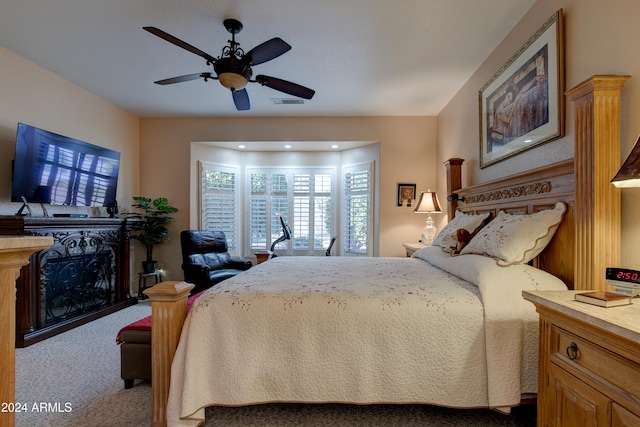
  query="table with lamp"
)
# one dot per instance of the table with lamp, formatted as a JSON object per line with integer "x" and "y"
{"x": 428, "y": 203}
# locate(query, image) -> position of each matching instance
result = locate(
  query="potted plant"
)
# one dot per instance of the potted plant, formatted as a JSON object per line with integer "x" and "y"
{"x": 151, "y": 228}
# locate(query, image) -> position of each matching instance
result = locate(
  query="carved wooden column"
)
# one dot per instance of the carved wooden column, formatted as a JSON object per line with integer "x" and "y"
{"x": 454, "y": 183}
{"x": 14, "y": 253}
{"x": 597, "y": 159}
{"x": 168, "y": 311}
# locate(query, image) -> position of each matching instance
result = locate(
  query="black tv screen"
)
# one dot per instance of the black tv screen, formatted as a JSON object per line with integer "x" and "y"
{"x": 58, "y": 170}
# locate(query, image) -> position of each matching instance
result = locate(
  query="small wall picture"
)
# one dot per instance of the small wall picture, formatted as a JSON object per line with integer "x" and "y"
{"x": 406, "y": 194}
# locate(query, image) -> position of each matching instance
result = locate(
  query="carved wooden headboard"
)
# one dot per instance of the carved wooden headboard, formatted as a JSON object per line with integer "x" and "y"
{"x": 588, "y": 240}
{"x": 526, "y": 193}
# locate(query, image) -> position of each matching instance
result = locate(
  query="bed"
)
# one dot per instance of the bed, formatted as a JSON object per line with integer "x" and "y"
{"x": 437, "y": 329}
{"x": 584, "y": 243}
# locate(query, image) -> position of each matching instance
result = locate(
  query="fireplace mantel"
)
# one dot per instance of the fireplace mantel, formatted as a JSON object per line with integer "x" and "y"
{"x": 84, "y": 275}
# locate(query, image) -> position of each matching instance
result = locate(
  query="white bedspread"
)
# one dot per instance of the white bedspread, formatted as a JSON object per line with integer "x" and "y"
{"x": 360, "y": 330}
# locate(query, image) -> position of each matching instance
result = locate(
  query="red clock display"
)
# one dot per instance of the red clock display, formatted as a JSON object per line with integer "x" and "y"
{"x": 623, "y": 275}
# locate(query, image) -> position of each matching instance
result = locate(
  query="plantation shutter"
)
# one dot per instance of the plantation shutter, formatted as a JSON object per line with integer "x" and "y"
{"x": 259, "y": 231}
{"x": 323, "y": 222}
{"x": 219, "y": 202}
{"x": 302, "y": 197}
{"x": 302, "y": 219}
{"x": 279, "y": 195}
{"x": 357, "y": 215}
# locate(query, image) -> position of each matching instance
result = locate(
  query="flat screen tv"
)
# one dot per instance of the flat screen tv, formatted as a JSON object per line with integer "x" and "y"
{"x": 58, "y": 170}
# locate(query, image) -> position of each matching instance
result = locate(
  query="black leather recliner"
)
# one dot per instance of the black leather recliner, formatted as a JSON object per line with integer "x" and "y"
{"x": 206, "y": 259}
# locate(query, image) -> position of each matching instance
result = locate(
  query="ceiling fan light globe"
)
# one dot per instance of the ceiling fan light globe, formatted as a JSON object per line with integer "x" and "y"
{"x": 233, "y": 81}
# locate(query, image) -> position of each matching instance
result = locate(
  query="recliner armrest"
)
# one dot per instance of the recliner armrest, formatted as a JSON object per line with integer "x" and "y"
{"x": 196, "y": 273}
{"x": 240, "y": 264}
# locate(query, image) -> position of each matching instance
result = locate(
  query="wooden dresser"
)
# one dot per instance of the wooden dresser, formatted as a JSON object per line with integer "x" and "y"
{"x": 589, "y": 362}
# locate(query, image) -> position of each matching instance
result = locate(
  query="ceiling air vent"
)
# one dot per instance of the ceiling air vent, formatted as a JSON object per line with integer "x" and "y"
{"x": 288, "y": 101}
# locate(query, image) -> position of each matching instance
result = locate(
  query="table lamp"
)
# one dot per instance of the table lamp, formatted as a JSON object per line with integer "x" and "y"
{"x": 428, "y": 203}
{"x": 629, "y": 173}
{"x": 626, "y": 281}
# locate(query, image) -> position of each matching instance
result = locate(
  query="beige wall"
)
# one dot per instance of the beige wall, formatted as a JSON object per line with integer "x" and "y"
{"x": 156, "y": 152}
{"x": 407, "y": 150}
{"x": 32, "y": 95}
{"x": 600, "y": 38}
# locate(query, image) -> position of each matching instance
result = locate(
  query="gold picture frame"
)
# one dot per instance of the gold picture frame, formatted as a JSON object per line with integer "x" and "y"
{"x": 522, "y": 105}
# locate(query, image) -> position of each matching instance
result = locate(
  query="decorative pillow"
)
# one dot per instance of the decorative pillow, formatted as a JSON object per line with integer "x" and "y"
{"x": 516, "y": 239}
{"x": 446, "y": 239}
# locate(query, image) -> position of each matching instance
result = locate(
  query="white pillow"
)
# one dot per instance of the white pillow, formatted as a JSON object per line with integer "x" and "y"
{"x": 516, "y": 239}
{"x": 470, "y": 222}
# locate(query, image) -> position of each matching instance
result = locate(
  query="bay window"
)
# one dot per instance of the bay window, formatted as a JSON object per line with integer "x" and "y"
{"x": 315, "y": 202}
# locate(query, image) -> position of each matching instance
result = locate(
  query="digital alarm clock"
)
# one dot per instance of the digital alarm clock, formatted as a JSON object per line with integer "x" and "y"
{"x": 626, "y": 281}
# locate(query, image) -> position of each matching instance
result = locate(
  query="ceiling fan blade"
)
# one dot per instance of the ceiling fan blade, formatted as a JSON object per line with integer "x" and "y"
{"x": 241, "y": 99}
{"x": 285, "y": 86}
{"x": 266, "y": 51}
{"x": 171, "y": 39}
{"x": 186, "y": 78}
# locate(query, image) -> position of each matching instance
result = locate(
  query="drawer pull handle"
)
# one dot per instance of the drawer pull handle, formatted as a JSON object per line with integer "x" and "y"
{"x": 572, "y": 351}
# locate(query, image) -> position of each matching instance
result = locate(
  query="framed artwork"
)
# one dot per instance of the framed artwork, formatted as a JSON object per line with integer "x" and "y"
{"x": 522, "y": 105}
{"x": 406, "y": 194}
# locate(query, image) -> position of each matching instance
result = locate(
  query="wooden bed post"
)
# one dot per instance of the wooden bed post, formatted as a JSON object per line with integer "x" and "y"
{"x": 454, "y": 183}
{"x": 168, "y": 311}
{"x": 597, "y": 160}
{"x": 14, "y": 253}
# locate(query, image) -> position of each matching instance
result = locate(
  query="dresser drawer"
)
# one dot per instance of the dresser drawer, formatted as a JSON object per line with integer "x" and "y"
{"x": 584, "y": 357}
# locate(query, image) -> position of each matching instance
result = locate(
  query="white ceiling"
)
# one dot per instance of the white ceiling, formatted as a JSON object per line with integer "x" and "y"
{"x": 362, "y": 57}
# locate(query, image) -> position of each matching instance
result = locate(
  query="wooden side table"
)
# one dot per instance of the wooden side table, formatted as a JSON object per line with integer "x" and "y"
{"x": 589, "y": 362}
{"x": 412, "y": 247}
{"x": 263, "y": 256}
{"x": 142, "y": 281}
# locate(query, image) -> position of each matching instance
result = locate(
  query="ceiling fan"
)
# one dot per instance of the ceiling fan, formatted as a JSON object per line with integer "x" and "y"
{"x": 233, "y": 67}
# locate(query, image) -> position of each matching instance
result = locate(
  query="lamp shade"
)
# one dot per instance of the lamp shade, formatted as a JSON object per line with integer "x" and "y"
{"x": 427, "y": 203}
{"x": 629, "y": 173}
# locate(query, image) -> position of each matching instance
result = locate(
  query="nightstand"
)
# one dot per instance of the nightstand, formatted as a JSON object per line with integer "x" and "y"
{"x": 263, "y": 256}
{"x": 589, "y": 361}
{"x": 412, "y": 247}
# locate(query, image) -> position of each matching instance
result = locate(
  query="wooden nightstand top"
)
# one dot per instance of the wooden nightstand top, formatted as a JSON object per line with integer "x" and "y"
{"x": 414, "y": 245}
{"x": 411, "y": 247}
{"x": 623, "y": 320}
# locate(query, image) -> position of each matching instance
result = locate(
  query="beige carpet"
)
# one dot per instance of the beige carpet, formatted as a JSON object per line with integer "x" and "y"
{"x": 73, "y": 380}
{"x": 295, "y": 415}
{"x": 77, "y": 375}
